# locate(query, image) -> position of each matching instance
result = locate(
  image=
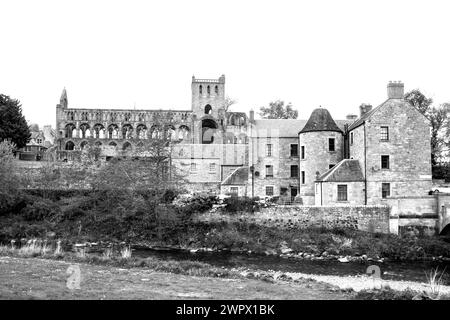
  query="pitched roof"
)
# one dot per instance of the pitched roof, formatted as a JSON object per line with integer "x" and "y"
{"x": 320, "y": 120}
{"x": 279, "y": 127}
{"x": 365, "y": 116}
{"x": 237, "y": 177}
{"x": 348, "y": 170}
{"x": 286, "y": 128}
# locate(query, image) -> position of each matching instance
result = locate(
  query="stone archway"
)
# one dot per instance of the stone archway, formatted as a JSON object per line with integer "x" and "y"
{"x": 209, "y": 127}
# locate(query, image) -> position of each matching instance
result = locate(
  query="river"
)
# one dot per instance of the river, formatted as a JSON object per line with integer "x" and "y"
{"x": 390, "y": 270}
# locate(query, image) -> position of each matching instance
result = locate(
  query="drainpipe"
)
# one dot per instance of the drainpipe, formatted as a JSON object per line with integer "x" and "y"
{"x": 365, "y": 166}
{"x": 321, "y": 195}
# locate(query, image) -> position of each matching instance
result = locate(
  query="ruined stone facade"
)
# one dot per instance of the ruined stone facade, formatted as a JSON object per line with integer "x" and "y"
{"x": 229, "y": 152}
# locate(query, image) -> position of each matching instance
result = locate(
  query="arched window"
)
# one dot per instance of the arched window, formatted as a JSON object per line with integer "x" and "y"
{"x": 208, "y": 109}
{"x": 70, "y": 145}
{"x": 200, "y": 90}
{"x": 208, "y": 130}
{"x": 141, "y": 131}
{"x": 170, "y": 132}
{"x": 113, "y": 131}
{"x": 98, "y": 116}
{"x": 127, "y": 131}
{"x": 70, "y": 130}
{"x": 113, "y": 144}
{"x": 156, "y": 132}
{"x": 216, "y": 90}
{"x": 83, "y": 145}
{"x": 208, "y": 90}
{"x": 127, "y": 117}
{"x": 85, "y": 132}
{"x": 126, "y": 146}
{"x": 183, "y": 132}
{"x": 99, "y": 131}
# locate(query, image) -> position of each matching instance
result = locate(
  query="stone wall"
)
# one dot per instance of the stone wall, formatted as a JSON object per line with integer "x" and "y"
{"x": 366, "y": 218}
{"x": 326, "y": 193}
{"x": 318, "y": 158}
{"x": 281, "y": 160}
{"x": 408, "y": 148}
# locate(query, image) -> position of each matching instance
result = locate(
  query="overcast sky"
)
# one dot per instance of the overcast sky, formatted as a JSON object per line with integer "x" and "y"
{"x": 121, "y": 54}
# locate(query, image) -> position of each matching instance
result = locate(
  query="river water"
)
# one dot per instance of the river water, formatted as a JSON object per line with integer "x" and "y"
{"x": 391, "y": 270}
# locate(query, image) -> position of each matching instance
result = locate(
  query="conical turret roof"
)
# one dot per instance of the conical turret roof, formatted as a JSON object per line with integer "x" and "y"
{"x": 320, "y": 120}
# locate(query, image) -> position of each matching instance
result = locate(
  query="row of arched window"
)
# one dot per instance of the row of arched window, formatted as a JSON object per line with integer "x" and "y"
{"x": 115, "y": 116}
{"x": 70, "y": 145}
{"x": 208, "y": 90}
{"x": 127, "y": 132}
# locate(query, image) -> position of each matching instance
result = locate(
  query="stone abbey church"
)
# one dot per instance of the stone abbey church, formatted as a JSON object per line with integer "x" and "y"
{"x": 384, "y": 153}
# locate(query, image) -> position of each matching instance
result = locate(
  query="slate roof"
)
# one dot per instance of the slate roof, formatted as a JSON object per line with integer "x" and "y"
{"x": 237, "y": 177}
{"x": 366, "y": 116}
{"x": 279, "y": 127}
{"x": 348, "y": 170}
{"x": 320, "y": 120}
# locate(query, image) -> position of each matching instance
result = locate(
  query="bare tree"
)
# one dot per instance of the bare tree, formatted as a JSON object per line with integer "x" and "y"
{"x": 228, "y": 103}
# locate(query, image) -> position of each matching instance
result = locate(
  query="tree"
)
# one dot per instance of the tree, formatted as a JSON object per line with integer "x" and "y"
{"x": 277, "y": 110}
{"x": 13, "y": 126}
{"x": 436, "y": 115}
{"x": 228, "y": 103}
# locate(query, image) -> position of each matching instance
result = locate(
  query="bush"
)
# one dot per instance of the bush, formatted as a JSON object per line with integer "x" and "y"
{"x": 39, "y": 210}
{"x": 241, "y": 204}
{"x": 195, "y": 204}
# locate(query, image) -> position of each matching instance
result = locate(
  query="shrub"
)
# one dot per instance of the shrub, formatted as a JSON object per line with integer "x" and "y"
{"x": 39, "y": 210}
{"x": 243, "y": 204}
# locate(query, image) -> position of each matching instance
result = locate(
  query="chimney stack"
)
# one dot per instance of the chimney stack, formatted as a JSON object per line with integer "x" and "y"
{"x": 252, "y": 116}
{"x": 395, "y": 90}
{"x": 351, "y": 117}
{"x": 364, "y": 108}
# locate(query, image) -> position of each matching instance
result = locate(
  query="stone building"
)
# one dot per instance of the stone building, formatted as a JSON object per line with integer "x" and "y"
{"x": 392, "y": 146}
{"x": 383, "y": 153}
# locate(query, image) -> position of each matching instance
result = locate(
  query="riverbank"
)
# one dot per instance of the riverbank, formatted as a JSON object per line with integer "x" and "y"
{"x": 355, "y": 287}
{"x": 149, "y": 220}
{"x": 35, "y": 278}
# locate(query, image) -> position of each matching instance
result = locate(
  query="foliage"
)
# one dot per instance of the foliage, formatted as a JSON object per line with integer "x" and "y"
{"x": 13, "y": 126}
{"x": 241, "y": 204}
{"x": 438, "y": 116}
{"x": 441, "y": 171}
{"x": 277, "y": 110}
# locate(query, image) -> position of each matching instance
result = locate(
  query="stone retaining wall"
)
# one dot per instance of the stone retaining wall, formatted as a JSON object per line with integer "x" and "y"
{"x": 367, "y": 218}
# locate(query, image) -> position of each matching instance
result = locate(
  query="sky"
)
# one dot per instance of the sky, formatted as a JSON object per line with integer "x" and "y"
{"x": 126, "y": 54}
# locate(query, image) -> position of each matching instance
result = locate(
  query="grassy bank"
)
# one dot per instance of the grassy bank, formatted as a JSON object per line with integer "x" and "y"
{"x": 322, "y": 287}
{"x": 34, "y": 278}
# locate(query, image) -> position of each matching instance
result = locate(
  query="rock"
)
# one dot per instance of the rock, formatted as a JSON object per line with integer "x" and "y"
{"x": 344, "y": 260}
{"x": 193, "y": 250}
{"x": 364, "y": 257}
{"x": 50, "y": 234}
{"x": 286, "y": 250}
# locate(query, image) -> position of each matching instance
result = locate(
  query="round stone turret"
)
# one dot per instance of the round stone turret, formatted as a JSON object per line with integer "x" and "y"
{"x": 321, "y": 147}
